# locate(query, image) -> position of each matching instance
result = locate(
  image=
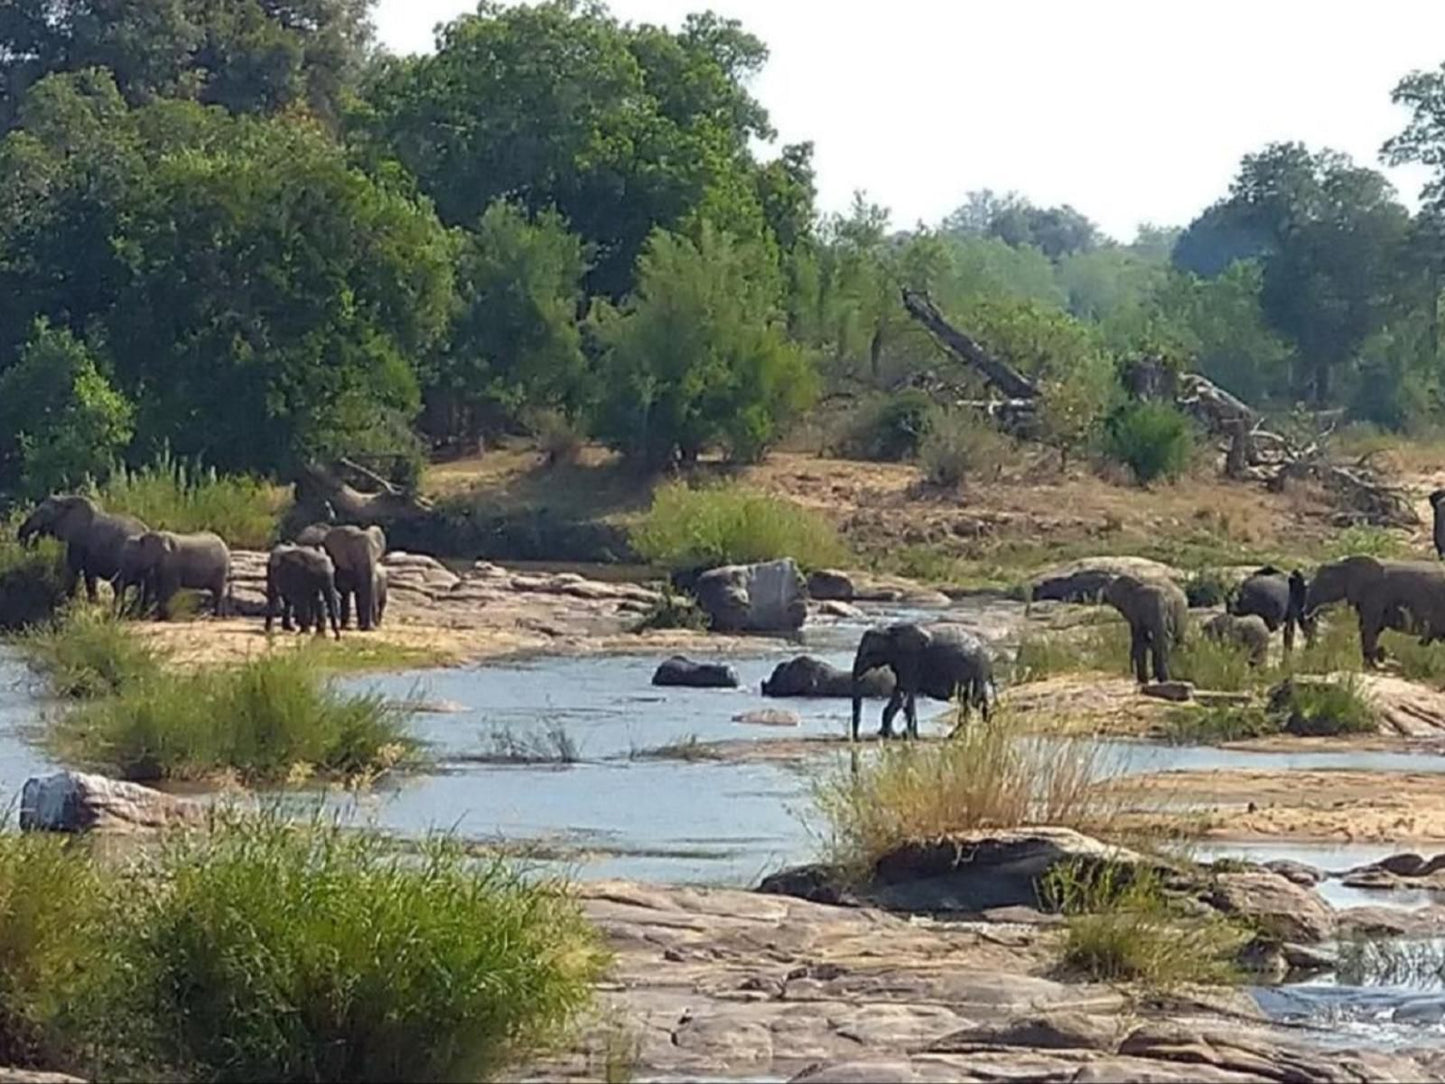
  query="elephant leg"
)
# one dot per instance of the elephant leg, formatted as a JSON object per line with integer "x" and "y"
{"x": 1370, "y": 637}
{"x": 1289, "y": 624}
{"x": 287, "y": 611}
{"x": 1159, "y": 648}
{"x": 344, "y": 606}
{"x": 1138, "y": 646}
{"x": 890, "y": 709}
{"x": 366, "y": 600}
{"x": 910, "y": 710}
{"x": 329, "y": 598}
{"x": 90, "y": 589}
{"x": 71, "y": 576}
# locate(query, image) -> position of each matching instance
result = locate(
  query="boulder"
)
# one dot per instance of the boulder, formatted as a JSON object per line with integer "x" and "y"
{"x": 1399, "y": 871}
{"x": 845, "y": 611}
{"x": 1084, "y": 580}
{"x": 769, "y": 717}
{"x": 804, "y": 675}
{"x": 817, "y": 883}
{"x": 769, "y": 597}
{"x": 679, "y": 670}
{"x": 829, "y": 583}
{"x": 79, "y": 802}
{"x": 1273, "y": 905}
{"x": 1296, "y": 872}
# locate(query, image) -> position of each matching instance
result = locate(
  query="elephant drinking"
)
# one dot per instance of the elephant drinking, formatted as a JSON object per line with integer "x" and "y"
{"x": 940, "y": 661}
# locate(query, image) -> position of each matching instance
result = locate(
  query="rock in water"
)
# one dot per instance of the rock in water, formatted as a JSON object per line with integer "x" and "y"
{"x": 1274, "y": 905}
{"x": 769, "y": 717}
{"x": 770, "y": 597}
{"x": 830, "y": 584}
{"x": 79, "y": 802}
{"x": 696, "y": 675}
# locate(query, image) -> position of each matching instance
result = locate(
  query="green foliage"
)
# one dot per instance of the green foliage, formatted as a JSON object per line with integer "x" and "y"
{"x": 1365, "y": 540}
{"x": 1100, "y": 647}
{"x": 960, "y": 445}
{"x": 1214, "y": 664}
{"x": 1207, "y": 587}
{"x": 697, "y": 357}
{"x": 65, "y": 420}
{"x": 87, "y": 653}
{"x": 730, "y": 524}
{"x": 1217, "y": 724}
{"x": 170, "y": 495}
{"x": 1323, "y": 708}
{"x": 1153, "y": 439}
{"x": 30, "y": 578}
{"x": 887, "y": 428}
{"x": 264, "y": 720}
{"x": 1073, "y": 407}
{"x": 673, "y": 610}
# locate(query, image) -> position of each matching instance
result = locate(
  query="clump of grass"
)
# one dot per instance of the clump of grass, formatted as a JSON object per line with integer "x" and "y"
{"x": 1364, "y": 539}
{"x": 1215, "y": 664}
{"x": 690, "y": 748}
{"x": 1103, "y": 646}
{"x": 267, "y": 720}
{"x": 1155, "y": 440}
{"x": 724, "y": 524}
{"x": 85, "y": 653}
{"x": 961, "y": 445}
{"x": 1123, "y": 928}
{"x": 277, "y": 952}
{"x": 1323, "y": 708}
{"x": 30, "y": 579}
{"x": 172, "y": 495}
{"x": 988, "y": 775}
{"x": 1207, "y": 587}
{"x": 1336, "y": 647}
{"x": 1217, "y": 724}
{"x": 553, "y": 745}
{"x": 1416, "y": 661}
{"x": 674, "y": 610}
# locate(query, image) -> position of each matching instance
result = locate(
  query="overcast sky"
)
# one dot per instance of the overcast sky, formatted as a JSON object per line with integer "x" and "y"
{"x": 1131, "y": 110}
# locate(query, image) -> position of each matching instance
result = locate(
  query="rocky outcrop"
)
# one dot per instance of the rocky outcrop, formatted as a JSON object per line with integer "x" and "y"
{"x": 768, "y": 597}
{"x": 696, "y": 675}
{"x": 79, "y": 802}
{"x": 832, "y": 584}
{"x": 804, "y": 675}
{"x": 1274, "y": 905}
{"x": 1085, "y": 579}
{"x": 1399, "y": 871}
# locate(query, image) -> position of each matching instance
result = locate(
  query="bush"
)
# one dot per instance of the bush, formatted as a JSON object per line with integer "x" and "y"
{"x": 1214, "y": 664}
{"x": 959, "y": 445}
{"x": 1153, "y": 440}
{"x": 558, "y": 439}
{"x": 86, "y": 653}
{"x": 887, "y": 428}
{"x": 1207, "y": 587}
{"x": 284, "y": 953}
{"x": 30, "y": 579}
{"x": 1217, "y": 724}
{"x": 1322, "y": 708}
{"x": 170, "y": 495}
{"x": 1101, "y": 647}
{"x": 729, "y": 524}
{"x": 266, "y": 720}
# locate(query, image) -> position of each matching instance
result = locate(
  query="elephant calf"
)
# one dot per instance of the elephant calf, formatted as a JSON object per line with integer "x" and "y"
{"x": 1158, "y": 616}
{"x": 940, "y": 661}
{"x": 1249, "y": 632}
{"x": 804, "y": 675}
{"x": 301, "y": 580}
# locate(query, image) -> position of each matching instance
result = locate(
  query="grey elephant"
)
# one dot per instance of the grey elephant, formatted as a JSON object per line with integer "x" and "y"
{"x": 356, "y": 553}
{"x": 1158, "y": 616}
{"x": 1249, "y": 632}
{"x": 93, "y": 538}
{"x": 133, "y": 573}
{"x": 162, "y": 563}
{"x": 940, "y": 661}
{"x": 804, "y": 675}
{"x": 1439, "y": 516}
{"x": 301, "y": 580}
{"x": 1278, "y": 599}
{"x": 1404, "y": 595}
{"x": 680, "y": 670}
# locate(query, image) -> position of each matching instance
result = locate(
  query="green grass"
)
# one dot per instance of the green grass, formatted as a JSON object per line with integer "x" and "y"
{"x": 1323, "y": 708}
{"x": 1217, "y": 724}
{"x": 362, "y": 654}
{"x": 731, "y": 524}
{"x": 170, "y": 495}
{"x": 267, "y": 720}
{"x": 673, "y": 611}
{"x": 1417, "y": 662}
{"x": 552, "y": 745}
{"x": 1365, "y": 540}
{"x": 1100, "y": 647}
{"x": 30, "y": 579}
{"x": 1211, "y": 664}
{"x": 1207, "y": 587}
{"x": 85, "y": 653}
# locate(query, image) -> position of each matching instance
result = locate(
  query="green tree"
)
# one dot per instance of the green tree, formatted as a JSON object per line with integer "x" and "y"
{"x": 1075, "y": 403}
{"x": 697, "y": 357}
{"x": 1054, "y": 231}
{"x": 62, "y": 419}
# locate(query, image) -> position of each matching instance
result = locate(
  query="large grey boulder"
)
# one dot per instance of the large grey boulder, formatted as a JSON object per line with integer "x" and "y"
{"x": 768, "y": 597}
{"x": 680, "y": 670}
{"x": 1085, "y": 579}
{"x": 1274, "y": 905}
{"x": 804, "y": 675}
{"x": 79, "y": 802}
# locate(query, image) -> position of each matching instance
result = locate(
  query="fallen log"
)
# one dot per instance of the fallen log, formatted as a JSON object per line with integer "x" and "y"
{"x": 1001, "y": 375}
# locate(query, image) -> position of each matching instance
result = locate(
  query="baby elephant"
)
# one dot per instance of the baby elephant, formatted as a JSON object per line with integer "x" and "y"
{"x": 1158, "y": 615}
{"x": 301, "y": 580}
{"x": 1249, "y": 632}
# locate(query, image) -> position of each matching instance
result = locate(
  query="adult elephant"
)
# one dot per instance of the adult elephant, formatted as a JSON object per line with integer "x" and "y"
{"x": 163, "y": 563}
{"x": 940, "y": 661}
{"x": 93, "y": 538}
{"x": 301, "y": 581}
{"x": 1405, "y": 595}
{"x": 356, "y": 553}
{"x": 1158, "y": 616}
{"x": 1278, "y": 599}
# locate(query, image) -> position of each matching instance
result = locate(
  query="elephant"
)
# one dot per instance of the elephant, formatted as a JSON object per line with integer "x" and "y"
{"x": 133, "y": 573}
{"x": 301, "y": 580}
{"x": 807, "y": 676}
{"x": 356, "y": 553}
{"x": 1158, "y": 616}
{"x": 1278, "y": 599}
{"x": 162, "y": 563}
{"x": 1249, "y": 631}
{"x": 1439, "y": 532}
{"x": 1404, "y": 595}
{"x": 679, "y": 670}
{"x": 93, "y": 538}
{"x": 940, "y": 661}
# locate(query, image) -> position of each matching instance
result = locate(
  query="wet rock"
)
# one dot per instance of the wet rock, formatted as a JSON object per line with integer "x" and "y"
{"x": 769, "y": 597}
{"x": 1055, "y": 1031}
{"x": 769, "y": 717}
{"x": 1399, "y": 871}
{"x": 831, "y": 585}
{"x": 807, "y": 676}
{"x": 1247, "y": 1057}
{"x": 1084, "y": 580}
{"x": 1274, "y": 905}
{"x": 1177, "y": 691}
{"x": 1425, "y": 1012}
{"x": 844, "y": 610}
{"x": 1307, "y": 958}
{"x": 816, "y": 883}
{"x": 679, "y": 670}
{"x": 79, "y": 802}
{"x": 1296, "y": 872}
{"x": 1390, "y": 921}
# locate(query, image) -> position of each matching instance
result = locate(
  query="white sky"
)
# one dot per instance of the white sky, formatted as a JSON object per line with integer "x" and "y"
{"x": 1131, "y": 110}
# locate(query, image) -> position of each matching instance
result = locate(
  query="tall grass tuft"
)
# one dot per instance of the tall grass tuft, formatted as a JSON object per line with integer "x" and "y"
{"x": 265, "y": 721}
{"x": 1098, "y": 647}
{"x": 987, "y": 776}
{"x": 278, "y": 952}
{"x": 725, "y": 524}
{"x": 87, "y": 653}
{"x": 171, "y": 495}
{"x": 1323, "y": 708}
{"x": 1215, "y": 664}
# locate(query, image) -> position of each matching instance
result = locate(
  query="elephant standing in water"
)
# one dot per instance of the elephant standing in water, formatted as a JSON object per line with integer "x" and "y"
{"x": 1404, "y": 595}
{"x": 940, "y": 661}
{"x": 93, "y": 539}
{"x": 1158, "y": 616}
{"x": 160, "y": 563}
{"x": 356, "y": 553}
{"x": 301, "y": 580}
{"x": 1278, "y": 599}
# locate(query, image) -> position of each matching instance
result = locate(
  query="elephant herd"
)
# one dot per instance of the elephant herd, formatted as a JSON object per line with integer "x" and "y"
{"x": 310, "y": 582}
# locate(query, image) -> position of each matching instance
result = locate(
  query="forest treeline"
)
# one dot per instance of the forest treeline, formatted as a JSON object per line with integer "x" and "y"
{"x": 240, "y": 231}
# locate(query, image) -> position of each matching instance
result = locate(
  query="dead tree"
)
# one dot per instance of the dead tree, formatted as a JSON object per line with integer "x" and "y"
{"x": 1001, "y": 375}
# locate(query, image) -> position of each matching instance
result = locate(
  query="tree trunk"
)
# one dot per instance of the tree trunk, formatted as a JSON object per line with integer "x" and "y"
{"x": 1004, "y": 377}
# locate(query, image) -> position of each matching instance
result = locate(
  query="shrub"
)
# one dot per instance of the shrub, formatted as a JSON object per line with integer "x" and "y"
{"x": 715, "y": 525}
{"x": 558, "y": 439}
{"x": 264, "y": 720}
{"x": 674, "y": 610}
{"x": 1100, "y": 647}
{"x": 1322, "y": 708}
{"x": 1207, "y": 587}
{"x": 1154, "y": 440}
{"x": 888, "y": 428}
{"x": 277, "y": 952}
{"x": 170, "y": 495}
{"x": 30, "y": 579}
{"x": 961, "y": 444}
{"x": 1219, "y": 723}
{"x": 87, "y": 653}
{"x": 1214, "y": 664}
